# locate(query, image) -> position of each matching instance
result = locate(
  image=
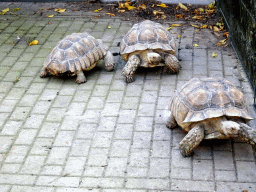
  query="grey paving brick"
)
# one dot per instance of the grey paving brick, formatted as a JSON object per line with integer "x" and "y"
{"x": 144, "y": 124}
{"x": 17, "y": 154}
{"x": 98, "y": 157}
{"x": 107, "y": 123}
{"x": 179, "y": 162}
{"x": 31, "y": 189}
{"x": 17, "y": 179}
{"x": 116, "y": 167}
{"x": 10, "y": 168}
{"x": 111, "y": 109}
{"x": 86, "y": 131}
{"x": 56, "y": 114}
{"x": 123, "y": 131}
{"x": 102, "y": 139}
{"x": 51, "y": 170}
{"x": 74, "y": 166}
{"x": 234, "y": 186}
{"x": 203, "y": 170}
{"x": 102, "y": 182}
{"x": 159, "y": 168}
{"x": 225, "y": 175}
{"x": 58, "y": 181}
{"x": 161, "y": 133}
{"x": 223, "y": 160}
{"x": 146, "y": 109}
{"x": 115, "y": 96}
{"x": 126, "y": 116}
{"x": 96, "y": 103}
{"x": 181, "y": 173}
{"x": 64, "y": 138}
{"x": 243, "y": 151}
{"x": 41, "y": 146}
{"x": 26, "y": 136}
{"x": 11, "y": 128}
{"x": 80, "y": 148}
{"x": 245, "y": 171}
{"x": 188, "y": 185}
{"x": 33, "y": 164}
{"x": 139, "y": 158}
{"x": 130, "y": 103}
{"x": 120, "y": 148}
{"x": 147, "y": 183}
{"x": 57, "y": 155}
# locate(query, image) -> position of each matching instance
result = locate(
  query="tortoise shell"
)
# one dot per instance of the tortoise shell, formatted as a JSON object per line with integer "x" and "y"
{"x": 146, "y": 35}
{"x": 76, "y": 52}
{"x": 203, "y": 98}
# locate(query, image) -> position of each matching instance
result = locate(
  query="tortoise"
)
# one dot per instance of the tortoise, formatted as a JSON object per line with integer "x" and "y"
{"x": 75, "y": 53}
{"x": 209, "y": 108}
{"x": 147, "y": 44}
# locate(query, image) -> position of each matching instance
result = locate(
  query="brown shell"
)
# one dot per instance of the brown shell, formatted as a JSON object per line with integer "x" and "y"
{"x": 76, "y": 52}
{"x": 146, "y": 35}
{"x": 203, "y": 98}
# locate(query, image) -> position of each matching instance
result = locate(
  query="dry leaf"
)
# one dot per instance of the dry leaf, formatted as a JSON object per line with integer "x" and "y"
{"x": 179, "y": 16}
{"x": 211, "y": 6}
{"x": 5, "y": 10}
{"x": 34, "y": 42}
{"x": 15, "y": 9}
{"x": 226, "y": 34}
{"x": 163, "y": 17}
{"x": 223, "y": 41}
{"x": 96, "y": 17}
{"x": 195, "y": 45}
{"x": 216, "y": 29}
{"x": 196, "y": 31}
{"x": 162, "y": 5}
{"x": 214, "y": 54}
{"x": 183, "y": 7}
{"x": 200, "y": 9}
{"x": 158, "y": 12}
{"x": 49, "y": 15}
{"x": 219, "y": 24}
{"x": 110, "y": 14}
{"x": 196, "y": 26}
{"x": 131, "y": 8}
{"x": 203, "y": 26}
{"x": 169, "y": 28}
{"x": 218, "y": 44}
{"x": 178, "y": 36}
{"x": 143, "y": 6}
{"x": 176, "y": 25}
{"x": 108, "y": 27}
{"x": 121, "y": 11}
{"x": 197, "y": 17}
{"x": 217, "y": 34}
{"x": 121, "y": 6}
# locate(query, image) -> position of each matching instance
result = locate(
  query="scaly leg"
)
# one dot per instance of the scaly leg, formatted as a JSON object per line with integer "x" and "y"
{"x": 129, "y": 69}
{"x": 171, "y": 123}
{"x": 192, "y": 140}
{"x": 80, "y": 77}
{"x": 172, "y": 64}
{"x": 44, "y": 73}
{"x": 109, "y": 61}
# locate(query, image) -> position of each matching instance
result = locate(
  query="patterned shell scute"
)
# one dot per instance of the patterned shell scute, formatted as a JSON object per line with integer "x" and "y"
{"x": 78, "y": 51}
{"x": 212, "y": 97}
{"x": 146, "y": 35}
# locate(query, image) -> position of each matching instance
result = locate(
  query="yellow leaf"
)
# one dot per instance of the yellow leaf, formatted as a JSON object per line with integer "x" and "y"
{"x": 110, "y": 14}
{"x": 211, "y": 6}
{"x": 143, "y": 6}
{"x": 178, "y": 36}
{"x": 97, "y": 10}
{"x": 200, "y": 9}
{"x": 216, "y": 29}
{"x": 176, "y": 25}
{"x": 183, "y": 7}
{"x": 163, "y": 17}
{"x": 169, "y": 28}
{"x": 60, "y": 10}
{"x": 197, "y": 17}
{"x": 34, "y": 42}
{"x": 223, "y": 41}
{"x": 204, "y": 26}
{"x": 49, "y": 15}
{"x": 5, "y": 10}
{"x": 161, "y": 5}
{"x": 226, "y": 34}
{"x": 130, "y": 7}
{"x": 127, "y": 4}
{"x": 15, "y": 9}
{"x": 121, "y": 11}
{"x": 196, "y": 31}
{"x": 108, "y": 27}
{"x": 214, "y": 54}
{"x": 194, "y": 26}
{"x": 195, "y": 45}
{"x": 218, "y": 44}
{"x": 121, "y": 6}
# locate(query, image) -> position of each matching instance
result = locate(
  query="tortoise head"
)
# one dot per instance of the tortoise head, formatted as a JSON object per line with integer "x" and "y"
{"x": 154, "y": 58}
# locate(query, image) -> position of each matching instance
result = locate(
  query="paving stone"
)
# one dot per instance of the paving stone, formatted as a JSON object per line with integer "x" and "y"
{"x": 57, "y": 155}
{"x": 74, "y": 166}
{"x": 203, "y": 170}
{"x": 159, "y": 168}
{"x": 17, "y": 154}
{"x": 245, "y": 171}
{"x": 120, "y": 148}
{"x": 147, "y": 183}
{"x": 116, "y": 167}
{"x": 188, "y": 185}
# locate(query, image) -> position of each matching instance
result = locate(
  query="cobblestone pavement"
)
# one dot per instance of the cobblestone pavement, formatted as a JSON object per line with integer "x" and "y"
{"x": 106, "y": 135}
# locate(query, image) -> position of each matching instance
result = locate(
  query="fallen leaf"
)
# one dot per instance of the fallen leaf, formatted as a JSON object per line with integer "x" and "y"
{"x": 219, "y": 24}
{"x": 176, "y": 25}
{"x": 216, "y": 29}
{"x": 210, "y": 12}
{"x": 226, "y": 34}
{"x": 34, "y": 42}
{"x": 218, "y": 44}
{"x": 60, "y": 10}
{"x": 110, "y": 14}
{"x": 15, "y": 9}
{"x": 108, "y": 27}
{"x": 131, "y": 8}
{"x": 196, "y": 26}
{"x": 211, "y": 6}
{"x": 49, "y": 15}
{"x": 223, "y": 41}
{"x": 96, "y": 17}
{"x": 197, "y": 17}
{"x": 203, "y": 26}
{"x": 217, "y": 34}
{"x": 121, "y": 11}
{"x": 214, "y": 54}
{"x": 179, "y": 16}
{"x": 183, "y": 7}
{"x": 158, "y": 12}
{"x": 143, "y": 6}
{"x": 169, "y": 28}
{"x": 163, "y": 16}
{"x": 200, "y": 9}
{"x": 178, "y": 36}
{"x": 48, "y": 23}
{"x": 97, "y": 10}
{"x": 5, "y": 10}
{"x": 195, "y": 45}
{"x": 161, "y": 5}
{"x": 121, "y": 6}
{"x": 196, "y": 31}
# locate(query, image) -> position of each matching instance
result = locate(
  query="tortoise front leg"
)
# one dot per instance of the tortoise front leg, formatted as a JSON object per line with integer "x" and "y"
{"x": 109, "y": 61}
{"x": 171, "y": 123}
{"x": 172, "y": 64}
{"x": 44, "y": 73}
{"x": 192, "y": 140}
{"x": 80, "y": 77}
{"x": 129, "y": 69}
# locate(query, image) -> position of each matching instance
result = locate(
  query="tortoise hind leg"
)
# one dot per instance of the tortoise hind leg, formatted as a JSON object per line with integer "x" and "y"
{"x": 192, "y": 140}
{"x": 248, "y": 133}
{"x": 80, "y": 77}
{"x": 109, "y": 61}
{"x": 172, "y": 64}
{"x": 129, "y": 69}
